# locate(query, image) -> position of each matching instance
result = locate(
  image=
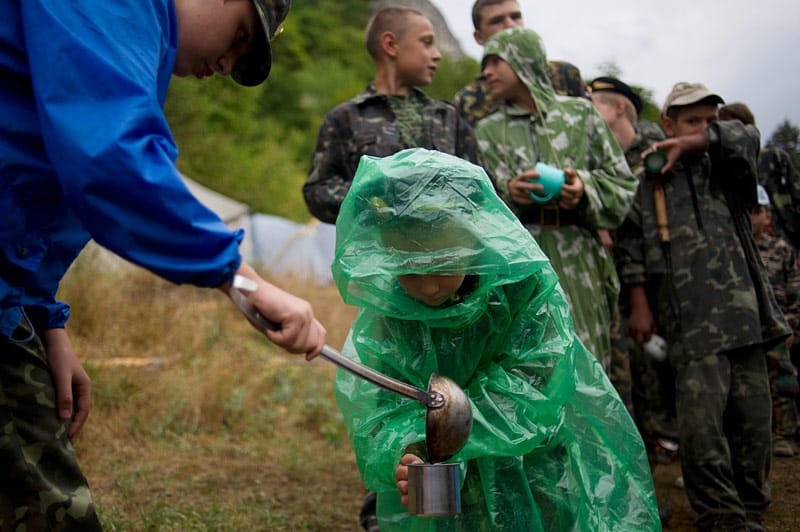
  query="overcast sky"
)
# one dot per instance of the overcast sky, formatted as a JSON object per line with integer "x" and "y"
{"x": 744, "y": 50}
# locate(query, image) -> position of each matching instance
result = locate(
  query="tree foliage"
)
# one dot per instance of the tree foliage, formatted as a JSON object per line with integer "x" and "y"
{"x": 787, "y": 137}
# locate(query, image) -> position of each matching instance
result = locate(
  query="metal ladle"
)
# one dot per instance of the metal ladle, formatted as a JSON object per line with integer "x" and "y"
{"x": 448, "y": 418}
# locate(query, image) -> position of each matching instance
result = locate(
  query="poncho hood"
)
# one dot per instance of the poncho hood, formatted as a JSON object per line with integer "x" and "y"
{"x": 524, "y": 51}
{"x": 423, "y": 211}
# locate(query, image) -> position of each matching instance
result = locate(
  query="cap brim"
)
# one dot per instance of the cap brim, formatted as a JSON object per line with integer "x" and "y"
{"x": 252, "y": 69}
{"x": 692, "y": 99}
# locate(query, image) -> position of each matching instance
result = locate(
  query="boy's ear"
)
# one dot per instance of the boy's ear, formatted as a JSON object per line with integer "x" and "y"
{"x": 389, "y": 43}
{"x": 619, "y": 105}
{"x": 668, "y": 125}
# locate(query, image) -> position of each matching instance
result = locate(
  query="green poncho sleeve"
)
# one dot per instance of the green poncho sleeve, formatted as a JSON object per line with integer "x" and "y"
{"x": 552, "y": 447}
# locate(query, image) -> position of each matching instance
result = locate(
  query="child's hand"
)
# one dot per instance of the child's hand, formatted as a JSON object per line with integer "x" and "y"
{"x": 72, "y": 384}
{"x": 401, "y": 475}
{"x": 677, "y": 147}
{"x": 572, "y": 190}
{"x": 521, "y": 186}
{"x": 641, "y": 324}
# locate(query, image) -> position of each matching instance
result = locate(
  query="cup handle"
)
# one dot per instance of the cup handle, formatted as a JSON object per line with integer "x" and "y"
{"x": 541, "y": 199}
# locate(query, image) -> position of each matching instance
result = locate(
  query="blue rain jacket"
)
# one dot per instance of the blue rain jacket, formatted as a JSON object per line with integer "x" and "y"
{"x": 86, "y": 152}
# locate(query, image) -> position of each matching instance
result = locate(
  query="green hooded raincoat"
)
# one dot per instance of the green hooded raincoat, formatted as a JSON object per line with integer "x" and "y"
{"x": 552, "y": 446}
{"x": 565, "y": 132}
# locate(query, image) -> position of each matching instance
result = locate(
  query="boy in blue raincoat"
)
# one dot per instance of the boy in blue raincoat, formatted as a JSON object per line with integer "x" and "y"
{"x": 449, "y": 282}
{"x": 85, "y": 152}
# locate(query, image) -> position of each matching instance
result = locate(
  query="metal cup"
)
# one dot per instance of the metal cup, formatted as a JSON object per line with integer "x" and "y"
{"x": 655, "y": 161}
{"x": 433, "y": 490}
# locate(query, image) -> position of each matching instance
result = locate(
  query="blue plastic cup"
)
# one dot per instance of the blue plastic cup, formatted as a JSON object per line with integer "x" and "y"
{"x": 551, "y": 178}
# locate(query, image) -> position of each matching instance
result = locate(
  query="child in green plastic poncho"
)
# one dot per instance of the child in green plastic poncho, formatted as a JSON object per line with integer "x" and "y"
{"x": 448, "y": 281}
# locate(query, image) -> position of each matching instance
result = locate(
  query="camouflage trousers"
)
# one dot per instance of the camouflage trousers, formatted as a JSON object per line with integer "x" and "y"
{"x": 784, "y": 389}
{"x": 645, "y": 385}
{"x": 619, "y": 369}
{"x": 653, "y": 395}
{"x": 724, "y": 414}
{"x": 42, "y": 486}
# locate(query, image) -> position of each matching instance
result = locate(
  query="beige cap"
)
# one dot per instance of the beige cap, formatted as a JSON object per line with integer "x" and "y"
{"x": 684, "y": 93}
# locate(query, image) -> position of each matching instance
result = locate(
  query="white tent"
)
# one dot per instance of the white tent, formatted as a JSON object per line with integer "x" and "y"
{"x": 275, "y": 245}
{"x": 281, "y": 247}
{"x": 234, "y": 213}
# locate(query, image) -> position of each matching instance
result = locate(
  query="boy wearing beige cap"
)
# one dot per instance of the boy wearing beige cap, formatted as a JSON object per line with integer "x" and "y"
{"x": 687, "y": 248}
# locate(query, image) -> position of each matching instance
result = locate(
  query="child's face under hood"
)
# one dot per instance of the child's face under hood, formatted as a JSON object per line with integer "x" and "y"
{"x": 422, "y": 212}
{"x": 524, "y": 51}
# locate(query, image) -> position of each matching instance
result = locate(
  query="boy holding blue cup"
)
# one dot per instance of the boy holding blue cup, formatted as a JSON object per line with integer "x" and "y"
{"x": 587, "y": 187}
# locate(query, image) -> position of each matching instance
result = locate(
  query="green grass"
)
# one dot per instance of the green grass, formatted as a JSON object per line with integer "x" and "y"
{"x": 226, "y": 432}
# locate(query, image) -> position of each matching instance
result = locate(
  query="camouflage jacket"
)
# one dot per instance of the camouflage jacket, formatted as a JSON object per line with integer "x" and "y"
{"x": 708, "y": 286}
{"x": 475, "y": 100}
{"x": 365, "y": 125}
{"x": 780, "y": 260}
{"x": 777, "y": 174}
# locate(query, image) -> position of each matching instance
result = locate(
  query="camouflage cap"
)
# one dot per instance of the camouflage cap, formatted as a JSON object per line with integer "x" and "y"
{"x": 566, "y": 79}
{"x": 610, "y": 84}
{"x": 252, "y": 69}
{"x": 684, "y": 93}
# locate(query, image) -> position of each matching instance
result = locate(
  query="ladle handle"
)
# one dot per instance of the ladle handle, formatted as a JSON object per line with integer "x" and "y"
{"x": 254, "y": 316}
{"x": 375, "y": 377}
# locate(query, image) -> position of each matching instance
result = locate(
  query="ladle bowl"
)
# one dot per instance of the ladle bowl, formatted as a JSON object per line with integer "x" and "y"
{"x": 447, "y": 427}
{"x": 448, "y": 417}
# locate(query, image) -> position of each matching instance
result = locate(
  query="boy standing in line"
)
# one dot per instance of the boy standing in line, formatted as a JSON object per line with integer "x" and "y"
{"x": 780, "y": 260}
{"x": 87, "y": 153}
{"x": 687, "y": 241}
{"x": 637, "y": 377}
{"x": 534, "y": 124}
{"x": 392, "y": 114}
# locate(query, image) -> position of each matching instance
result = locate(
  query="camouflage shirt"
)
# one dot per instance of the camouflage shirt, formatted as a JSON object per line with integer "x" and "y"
{"x": 777, "y": 174}
{"x": 367, "y": 125}
{"x": 780, "y": 260}
{"x": 708, "y": 285}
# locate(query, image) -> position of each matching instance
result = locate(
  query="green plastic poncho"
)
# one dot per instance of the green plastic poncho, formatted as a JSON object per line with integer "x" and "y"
{"x": 552, "y": 446}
